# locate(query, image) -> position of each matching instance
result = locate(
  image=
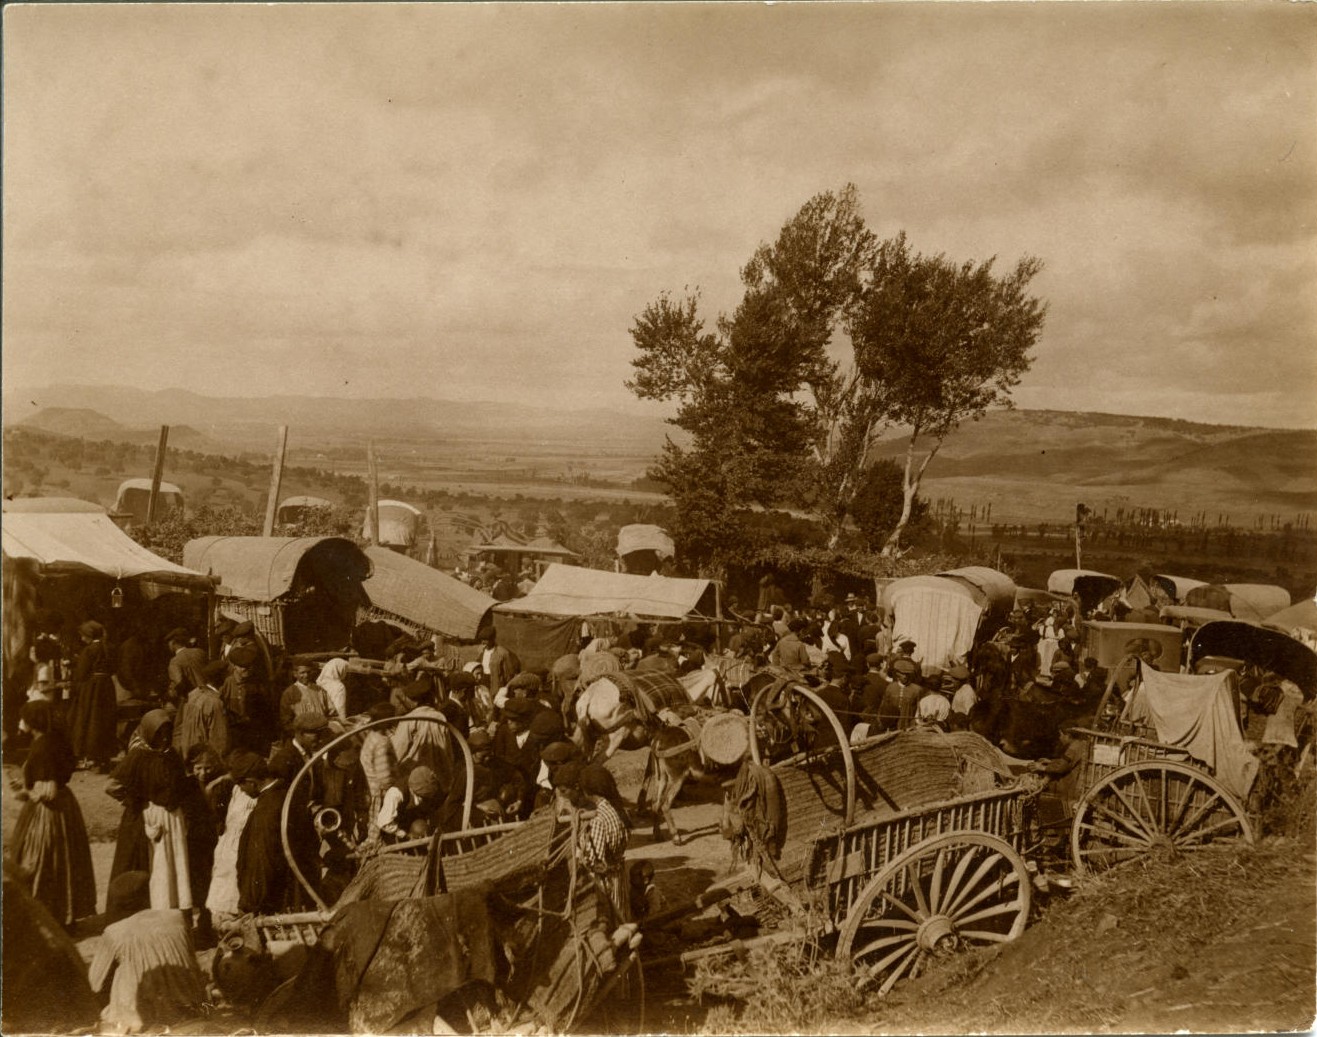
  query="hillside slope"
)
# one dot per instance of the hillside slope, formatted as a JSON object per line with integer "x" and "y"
{"x": 1026, "y": 464}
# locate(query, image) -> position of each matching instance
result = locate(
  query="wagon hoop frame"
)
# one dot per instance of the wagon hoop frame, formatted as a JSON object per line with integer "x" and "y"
{"x": 323, "y": 751}
{"x": 843, "y": 742}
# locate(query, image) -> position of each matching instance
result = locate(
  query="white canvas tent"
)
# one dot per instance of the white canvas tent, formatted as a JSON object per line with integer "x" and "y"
{"x": 546, "y": 623}
{"x": 71, "y": 537}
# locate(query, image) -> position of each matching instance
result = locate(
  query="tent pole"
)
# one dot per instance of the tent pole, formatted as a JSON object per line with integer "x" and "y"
{"x": 718, "y": 611}
{"x": 276, "y": 477}
{"x": 157, "y": 472}
{"x": 373, "y": 484}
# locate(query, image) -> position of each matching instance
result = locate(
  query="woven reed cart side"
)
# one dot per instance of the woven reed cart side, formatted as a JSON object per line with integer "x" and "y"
{"x": 901, "y": 847}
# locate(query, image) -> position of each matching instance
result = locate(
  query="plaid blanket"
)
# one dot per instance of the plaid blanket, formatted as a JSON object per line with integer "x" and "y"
{"x": 649, "y": 691}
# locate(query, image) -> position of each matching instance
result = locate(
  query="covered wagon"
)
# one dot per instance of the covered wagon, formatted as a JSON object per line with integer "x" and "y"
{"x": 302, "y": 594}
{"x": 1087, "y": 587}
{"x": 134, "y": 497}
{"x": 298, "y": 509}
{"x": 399, "y": 523}
{"x": 944, "y": 614}
{"x": 1254, "y": 602}
{"x": 413, "y": 597}
{"x": 641, "y": 549}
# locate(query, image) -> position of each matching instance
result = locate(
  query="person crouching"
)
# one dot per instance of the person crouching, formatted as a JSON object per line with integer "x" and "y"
{"x": 412, "y": 812}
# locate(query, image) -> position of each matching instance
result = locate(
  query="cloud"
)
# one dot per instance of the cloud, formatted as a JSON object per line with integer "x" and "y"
{"x": 479, "y": 198}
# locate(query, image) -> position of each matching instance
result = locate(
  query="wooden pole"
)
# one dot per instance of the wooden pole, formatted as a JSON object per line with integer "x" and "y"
{"x": 157, "y": 472}
{"x": 276, "y": 478}
{"x": 372, "y": 478}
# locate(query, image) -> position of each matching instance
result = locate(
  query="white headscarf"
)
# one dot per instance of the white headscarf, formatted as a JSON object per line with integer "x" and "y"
{"x": 331, "y": 679}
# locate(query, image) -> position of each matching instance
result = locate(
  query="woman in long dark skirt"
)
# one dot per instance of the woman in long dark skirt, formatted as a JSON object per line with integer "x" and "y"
{"x": 93, "y": 716}
{"x": 50, "y": 838}
{"x": 152, "y": 785}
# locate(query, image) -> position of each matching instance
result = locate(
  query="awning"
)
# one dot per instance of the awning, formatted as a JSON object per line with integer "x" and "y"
{"x": 263, "y": 568}
{"x": 86, "y": 541}
{"x": 568, "y": 590}
{"x": 423, "y": 596}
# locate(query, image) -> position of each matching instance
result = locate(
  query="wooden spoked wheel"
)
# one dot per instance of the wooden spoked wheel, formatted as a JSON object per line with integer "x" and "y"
{"x": 1153, "y": 808}
{"x": 947, "y": 893}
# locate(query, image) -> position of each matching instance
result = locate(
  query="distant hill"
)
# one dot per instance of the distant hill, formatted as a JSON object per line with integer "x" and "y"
{"x": 251, "y": 423}
{"x": 1023, "y": 462}
{"x": 1104, "y": 450}
{"x": 81, "y": 423}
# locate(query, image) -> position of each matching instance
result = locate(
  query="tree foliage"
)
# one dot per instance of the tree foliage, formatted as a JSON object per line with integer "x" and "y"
{"x": 945, "y": 341}
{"x": 774, "y": 418}
{"x": 876, "y": 509}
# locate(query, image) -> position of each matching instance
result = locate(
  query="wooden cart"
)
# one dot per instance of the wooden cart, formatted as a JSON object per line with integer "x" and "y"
{"x": 1136, "y": 796}
{"x": 900, "y": 848}
{"x": 559, "y": 923}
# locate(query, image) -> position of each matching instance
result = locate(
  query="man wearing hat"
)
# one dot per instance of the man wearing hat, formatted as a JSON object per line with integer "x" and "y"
{"x": 872, "y": 686}
{"x": 516, "y": 746}
{"x": 456, "y": 703}
{"x": 790, "y": 651}
{"x": 901, "y": 698}
{"x": 251, "y": 716}
{"x": 265, "y": 881}
{"x": 421, "y": 738}
{"x": 933, "y": 709}
{"x": 411, "y": 810}
{"x": 202, "y": 718}
{"x": 654, "y": 659}
{"x": 183, "y": 654}
{"x": 499, "y": 787}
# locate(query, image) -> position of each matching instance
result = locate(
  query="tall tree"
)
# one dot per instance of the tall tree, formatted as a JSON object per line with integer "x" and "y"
{"x": 945, "y": 342}
{"x": 761, "y": 396}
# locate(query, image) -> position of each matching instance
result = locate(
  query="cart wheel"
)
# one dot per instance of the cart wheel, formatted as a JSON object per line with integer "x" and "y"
{"x": 955, "y": 890}
{"x": 1150, "y": 808}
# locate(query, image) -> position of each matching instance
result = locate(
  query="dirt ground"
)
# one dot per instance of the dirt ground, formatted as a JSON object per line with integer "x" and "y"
{"x": 1216, "y": 943}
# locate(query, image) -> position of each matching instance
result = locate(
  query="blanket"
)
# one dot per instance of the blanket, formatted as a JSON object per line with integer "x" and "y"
{"x": 1197, "y": 713}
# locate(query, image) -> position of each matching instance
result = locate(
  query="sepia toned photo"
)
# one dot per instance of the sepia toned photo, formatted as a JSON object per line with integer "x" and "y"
{"x": 628, "y": 518}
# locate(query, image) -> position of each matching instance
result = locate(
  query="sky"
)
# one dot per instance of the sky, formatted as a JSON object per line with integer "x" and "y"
{"x": 476, "y": 200}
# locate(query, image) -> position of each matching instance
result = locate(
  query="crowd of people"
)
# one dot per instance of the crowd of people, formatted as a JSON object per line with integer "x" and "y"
{"x": 224, "y": 742}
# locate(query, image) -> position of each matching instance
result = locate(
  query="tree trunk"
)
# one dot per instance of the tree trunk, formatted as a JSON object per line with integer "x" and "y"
{"x": 909, "y": 489}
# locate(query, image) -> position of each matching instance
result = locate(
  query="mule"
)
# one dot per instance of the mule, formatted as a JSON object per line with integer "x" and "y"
{"x": 674, "y": 756}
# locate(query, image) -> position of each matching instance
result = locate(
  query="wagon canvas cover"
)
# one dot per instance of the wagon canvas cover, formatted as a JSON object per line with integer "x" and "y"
{"x": 423, "y": 596}
{"x": 1197, "y": 714}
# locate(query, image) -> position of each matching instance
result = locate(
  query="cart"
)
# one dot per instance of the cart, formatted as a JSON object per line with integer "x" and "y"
{"x": 560, "y": 928}
{"x": 1142, "y": 792}
{"x": 898, "y": 849}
